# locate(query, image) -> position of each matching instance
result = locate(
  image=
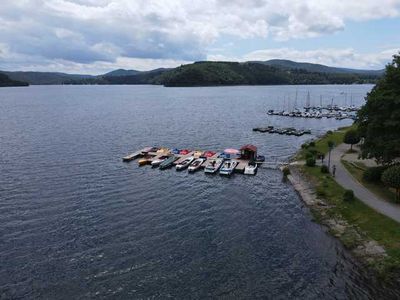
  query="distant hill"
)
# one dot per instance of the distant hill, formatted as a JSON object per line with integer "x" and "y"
{"x": 252, "y": 73}
{"x": 288, "y": 64}
{"x": 44, "y": 77}
{"x": 7, "y": 81}
{"x": 270, "y": 72}
{"x": 121, "y": 72}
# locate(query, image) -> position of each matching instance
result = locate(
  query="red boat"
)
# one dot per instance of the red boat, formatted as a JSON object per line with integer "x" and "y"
{"x": 184, "y": 151}
{"x": 208, "y": 154}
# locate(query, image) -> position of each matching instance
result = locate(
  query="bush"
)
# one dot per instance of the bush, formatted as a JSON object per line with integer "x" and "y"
{"x": 321, "y": 192}
{"x": 329, "y": 132}
{"x": 314, "y": 152}
{"x": 312, "y": 144}
{"x": 391, "y": 177}
{"x": 324, "y": 169}
{"x": 286, "y": 171}
{"x": 310, "y": 162}
{"x": 348, "y": 195}
{"x": 373, "y": 174}
{"x": 309, "y": 155}
{"x": 304, "y": 146}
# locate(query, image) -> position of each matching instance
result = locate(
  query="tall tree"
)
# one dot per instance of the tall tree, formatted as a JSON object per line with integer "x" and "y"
{"x": 351, "y": 138}
{"x": 379, "y": 118}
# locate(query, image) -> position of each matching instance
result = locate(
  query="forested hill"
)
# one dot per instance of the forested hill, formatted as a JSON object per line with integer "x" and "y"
{"x": 6, "y": 81}
{"x": 213, "y": 73}
{"x": 233, "y": 73}
{"x": 290, "y": 65}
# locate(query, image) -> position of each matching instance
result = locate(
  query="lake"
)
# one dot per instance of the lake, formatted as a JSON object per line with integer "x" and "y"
{"x": 76, "y": 222}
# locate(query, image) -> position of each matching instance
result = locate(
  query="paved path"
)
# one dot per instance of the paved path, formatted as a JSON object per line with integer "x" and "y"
{"x": 345, "y": 179}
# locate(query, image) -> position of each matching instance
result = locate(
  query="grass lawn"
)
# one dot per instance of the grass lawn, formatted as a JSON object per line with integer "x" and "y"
{"x": 321, "y": 145}
{"x": 370, "y": 223}
{"x": 377, "y": 188}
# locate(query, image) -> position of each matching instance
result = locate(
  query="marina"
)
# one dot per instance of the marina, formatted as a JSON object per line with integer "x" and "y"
{"x": 338, "y": 112}
{"x": 227, "y": 162}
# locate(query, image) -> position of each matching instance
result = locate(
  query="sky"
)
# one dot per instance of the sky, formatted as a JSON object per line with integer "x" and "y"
{"x": 97, "y": 36}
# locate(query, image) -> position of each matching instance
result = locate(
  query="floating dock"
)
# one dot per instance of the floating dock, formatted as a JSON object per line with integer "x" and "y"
{"x": 243, "y": 158}
{"x": 287, "y": 131}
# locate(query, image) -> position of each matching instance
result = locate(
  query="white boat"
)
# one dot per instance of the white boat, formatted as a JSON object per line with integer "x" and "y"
{"x": 196, "y": 164}
{"x": 213, "y": 165}
{"x": 250, "y": 169}
{"x": 155, "y": 163}
{"x": 228, "y": 167}
{"x": 185, "y": 163}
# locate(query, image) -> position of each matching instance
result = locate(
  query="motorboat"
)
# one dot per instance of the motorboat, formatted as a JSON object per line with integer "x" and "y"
{"x": 213, "y": 165}
{"x": 144, "y": 160}
{"x": 198, "y": 153}
{"x": 228, "y": 167}
{"x": 168, "y": 162}
{"x": 184, "y": 151}
{"x": 156, "y": 162}
{"x": 208, "y": 154}
{"x": 185, "y": 163}
{"x": 251, "y": 168}
{"x": 196, "y": 164}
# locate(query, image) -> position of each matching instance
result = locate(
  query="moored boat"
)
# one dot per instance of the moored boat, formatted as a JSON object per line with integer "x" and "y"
{"x": 213, "y": 165}
{"x": 184, "y": 151}
{"x": 228, "y": 167}
{"x": 185, "y": 163}
{"x": 168, "y": 162}
{"x": 251, "y": 168}
{"x": 156, "y": 162}
{"x": 144, "y": 161}
{"x": 196, "y": 164}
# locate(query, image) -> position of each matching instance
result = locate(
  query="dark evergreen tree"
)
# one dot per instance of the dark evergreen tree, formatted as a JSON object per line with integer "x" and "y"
{"x": 379, "y": 118}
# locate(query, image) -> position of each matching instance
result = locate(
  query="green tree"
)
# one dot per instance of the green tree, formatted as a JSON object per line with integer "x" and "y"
{"x": 379, "y": 118}
{"x": 351, "y": 138}
{"x": 391, "y": 177}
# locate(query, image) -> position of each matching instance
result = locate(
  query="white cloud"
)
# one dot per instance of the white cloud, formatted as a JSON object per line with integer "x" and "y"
{"x": 94, "y": 33}
{"x": 332, "y": 57}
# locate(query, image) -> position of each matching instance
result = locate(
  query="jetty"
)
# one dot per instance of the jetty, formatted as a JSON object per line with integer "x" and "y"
{"x": 286, "y": 131}
{"x": 245, "y": 158}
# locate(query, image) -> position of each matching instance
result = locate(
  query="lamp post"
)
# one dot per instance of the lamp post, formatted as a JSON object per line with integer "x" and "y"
{"x": 330, "y": 146}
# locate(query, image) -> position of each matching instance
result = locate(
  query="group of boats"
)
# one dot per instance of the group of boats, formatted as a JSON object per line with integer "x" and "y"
{"x": 225, "y": 163}
{"x": 287, "y": 131}
{"x": 314, "y": 113}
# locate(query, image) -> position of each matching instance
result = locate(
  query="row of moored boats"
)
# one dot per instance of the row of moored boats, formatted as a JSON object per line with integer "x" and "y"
{"x": 212, "y": 162}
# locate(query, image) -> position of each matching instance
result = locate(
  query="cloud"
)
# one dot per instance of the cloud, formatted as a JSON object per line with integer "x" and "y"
{"x": 328, "y": 56}
{"x": 103, "y": 32}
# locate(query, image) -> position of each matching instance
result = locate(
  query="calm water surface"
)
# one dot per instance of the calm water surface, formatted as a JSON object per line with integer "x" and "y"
{"x": 77, "y": 223}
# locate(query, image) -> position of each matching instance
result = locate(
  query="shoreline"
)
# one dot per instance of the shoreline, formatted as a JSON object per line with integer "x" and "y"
{"x": 368, "y": 250}
{"x": 352, "y": 223}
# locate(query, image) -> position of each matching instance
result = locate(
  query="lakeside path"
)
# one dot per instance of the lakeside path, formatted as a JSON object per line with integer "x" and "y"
{"x": 345, "y": 179}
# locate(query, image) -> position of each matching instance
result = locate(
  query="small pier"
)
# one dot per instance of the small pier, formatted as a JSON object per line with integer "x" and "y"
{"x": 244, "y": 157}
{"x": 286, "y": 131}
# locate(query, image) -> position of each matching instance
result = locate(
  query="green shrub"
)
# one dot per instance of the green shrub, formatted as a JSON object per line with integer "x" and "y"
{"x": 286, "y": 171}
{"x": 310, "y": 162}
{"x": 391, "y": 177}
{"x": 314, "y": 152}
{"x": 309, "y": 155}
{"x": 321, "y": 192}
{"x": 348, "y": 195}
{"x": 329, "y": 132}
{"x": 312, "y": 144}
{"x": 324, "y": 169}
{"x": 304, "y": 146}
{"x": 373, "y": 174}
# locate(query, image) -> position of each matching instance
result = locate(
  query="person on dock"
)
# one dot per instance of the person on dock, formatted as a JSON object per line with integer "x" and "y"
{"x": 333, "y": 170}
